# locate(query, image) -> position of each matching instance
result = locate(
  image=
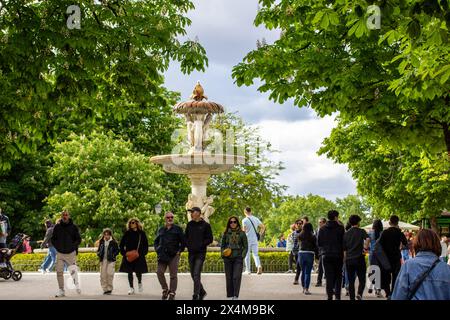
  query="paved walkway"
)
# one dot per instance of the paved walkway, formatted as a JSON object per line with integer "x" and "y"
{"x": 36, "y": 286}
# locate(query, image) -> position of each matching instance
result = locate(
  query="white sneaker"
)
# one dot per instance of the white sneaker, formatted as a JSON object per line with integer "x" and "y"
{"x": 60, "y": 294}
{"x": 78, "y": 289}
{"x": 42, "y": 271}
{"x": 131, "y": 291}
{"x": 235, "y": 298}
{"x": 140, "y": 287}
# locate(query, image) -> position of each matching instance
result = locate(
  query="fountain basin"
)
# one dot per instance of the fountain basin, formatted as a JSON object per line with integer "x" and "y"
{"x": 198, "y": 163}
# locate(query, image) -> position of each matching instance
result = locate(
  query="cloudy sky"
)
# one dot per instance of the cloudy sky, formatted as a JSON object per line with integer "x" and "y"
{"x": 225, "y": 29}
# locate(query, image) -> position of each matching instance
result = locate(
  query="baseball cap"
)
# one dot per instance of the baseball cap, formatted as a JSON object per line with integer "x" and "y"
{"x": 194, "y": 209}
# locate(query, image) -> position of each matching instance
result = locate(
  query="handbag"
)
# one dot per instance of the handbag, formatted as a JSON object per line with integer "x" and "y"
{"x": 132, "y": 255}
{"x": 380, "y": 256}
{"x": 257, "y": 233}
{"x": 227, "y": 252}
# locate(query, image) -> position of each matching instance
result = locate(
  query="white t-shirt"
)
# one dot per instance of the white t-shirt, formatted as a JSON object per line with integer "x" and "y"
{"x": 249, "y": 230}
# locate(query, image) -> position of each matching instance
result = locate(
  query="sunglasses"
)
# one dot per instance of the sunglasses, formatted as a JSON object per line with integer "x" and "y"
{"x": 169, "y": 218}
{"x": 234, "y": 222}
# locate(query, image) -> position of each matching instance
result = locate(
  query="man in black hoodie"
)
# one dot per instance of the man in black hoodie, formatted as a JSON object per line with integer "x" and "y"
{"x": 198, "y": 236}
{"x": 66, "y": 239}
{"x": 330, "y": 243}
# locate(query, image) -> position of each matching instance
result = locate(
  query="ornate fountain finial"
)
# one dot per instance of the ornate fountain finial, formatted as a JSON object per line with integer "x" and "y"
{"x": 199, "y": 93}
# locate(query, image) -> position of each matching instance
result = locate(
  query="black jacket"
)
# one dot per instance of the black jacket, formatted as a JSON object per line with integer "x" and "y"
{"x": 66, "y": 237}
{"x": 308, "y": 243}
{"x": 130, "y": 241}
{"x": 330, "y": 240}
{"x": 198, "y": 236}
{"x": 111, "y": 254}
{"x": 168, "y": 242}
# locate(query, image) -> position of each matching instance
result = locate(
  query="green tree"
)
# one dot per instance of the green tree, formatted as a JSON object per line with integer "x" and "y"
{"x": 252, "y": 184}
{"x": 103, "y": 183}
{"x": 110, "y": 67}
{"x": 293, "y": 208}
{"x": 394, "y": 181}
{"x": 354, "y": 204}
{"x": 395, "y": 78}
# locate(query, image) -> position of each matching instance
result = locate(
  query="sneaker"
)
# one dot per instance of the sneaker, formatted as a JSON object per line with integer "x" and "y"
{"x": 78, "y": 289}
{"x": 347, "y": 293}
{"x": 131, "y": 291}
{"x": 60, "y": 294}
{"x": 295, "y": 282}
{"x": 289, "y": 271}
{"x": 235, "y": 298}
{"x": 202, "y": 295}
{"x": 165, "y": 295}
{"x": 318, "y": 284}
{"x": 370, "y": 291}
{"x": 42, "y": 271}
{"x": 171, "y": 296}
{"x": 195, "y": 297}
{"x": 358, "y": 297}
{"x": 378, "y": 293}
{"x": 259, "y": 270}
{"x": 140, "y": 287}
{"x": 107, "y": 292}
{"x": 306, "y": 292}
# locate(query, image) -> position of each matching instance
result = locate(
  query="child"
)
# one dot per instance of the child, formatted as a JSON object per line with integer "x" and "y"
{"x": 107, "y": 252}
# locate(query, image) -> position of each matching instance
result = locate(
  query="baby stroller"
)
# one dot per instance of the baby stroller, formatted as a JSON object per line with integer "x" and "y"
{"x": 6, "y": 269}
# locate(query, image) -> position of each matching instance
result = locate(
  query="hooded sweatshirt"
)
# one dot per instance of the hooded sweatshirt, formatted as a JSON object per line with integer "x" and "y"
{"x": 66, "y": 237}
{"x": 330, "y": 240}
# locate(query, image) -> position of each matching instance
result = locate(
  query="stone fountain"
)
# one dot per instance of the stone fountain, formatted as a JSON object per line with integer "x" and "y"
{"x": 198, "y": 164}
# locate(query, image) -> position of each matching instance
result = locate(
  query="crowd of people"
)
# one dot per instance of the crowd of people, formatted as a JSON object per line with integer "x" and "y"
{"x": 410, "y": 267}
{"x": 406, "y": 266}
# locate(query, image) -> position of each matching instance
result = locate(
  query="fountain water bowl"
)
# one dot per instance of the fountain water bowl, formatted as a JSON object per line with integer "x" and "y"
{"x": 198, "y": 164}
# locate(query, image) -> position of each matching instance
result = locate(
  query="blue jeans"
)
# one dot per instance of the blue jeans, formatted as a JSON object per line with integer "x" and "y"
{"x": 306, "y": 263}
{"x": 50, "y": 260}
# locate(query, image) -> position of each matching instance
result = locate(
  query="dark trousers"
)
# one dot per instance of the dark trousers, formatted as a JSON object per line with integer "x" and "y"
{"x": 196, "y": 261}
{"x": 233, "y": 275}
{"x": 173, "y": 271}
{"x": 130, "y": 278}
{"x": 356, "y": 268}
{"x": 333, "y": 271}
{"x": 320, "y": 271}
{"x": 298, "y": 266}
{"x": 388, "y": 278}
{"x": 291, "y": 260}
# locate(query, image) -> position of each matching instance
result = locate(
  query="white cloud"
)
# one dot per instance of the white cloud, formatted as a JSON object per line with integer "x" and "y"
{"x": 306, "y": 172}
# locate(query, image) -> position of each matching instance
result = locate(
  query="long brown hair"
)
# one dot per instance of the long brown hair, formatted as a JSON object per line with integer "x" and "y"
{"x": 138, "y": 223}
{"x": 228, "y": 224}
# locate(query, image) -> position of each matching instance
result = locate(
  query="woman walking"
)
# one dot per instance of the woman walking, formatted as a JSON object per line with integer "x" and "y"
{"x": 374, "y": 235}
{"x": 424, "y": 277}
{"x": 234, "y": 247}
{"x": 308, "y": 249}
{"x": 50, "y": 259}
{"x": 107, "y": 252}
{"x": 134, "y": 248}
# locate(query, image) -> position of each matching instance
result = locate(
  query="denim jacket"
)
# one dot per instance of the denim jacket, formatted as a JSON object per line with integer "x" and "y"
{"x": 435, "y": 287}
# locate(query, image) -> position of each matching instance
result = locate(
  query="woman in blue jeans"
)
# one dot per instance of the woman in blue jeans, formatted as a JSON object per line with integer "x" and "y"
{"x": 50, "y": 259}
{"x": 308, "y": 249}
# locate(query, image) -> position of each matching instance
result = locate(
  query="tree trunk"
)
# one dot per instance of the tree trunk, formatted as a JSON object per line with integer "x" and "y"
{"x": 446, "y": 128}
{"x": 434, "y": 225}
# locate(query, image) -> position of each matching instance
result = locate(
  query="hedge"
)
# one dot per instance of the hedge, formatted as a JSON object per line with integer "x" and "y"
{"x": 88, "y": 262}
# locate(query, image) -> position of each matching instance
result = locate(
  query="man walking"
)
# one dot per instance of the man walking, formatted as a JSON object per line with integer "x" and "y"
{"x": 66, "y": 239}
{"x": 356, "y": 240}
{"x": 5, "y": 229}
{"x": 198, "y": 236}
{"x": 169, "y": 244}
{"x": 390, "y": 241}
{"x": 251, "y": 224}
{"x": 322, "y": 222}
{"x": 330, "y": 240}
